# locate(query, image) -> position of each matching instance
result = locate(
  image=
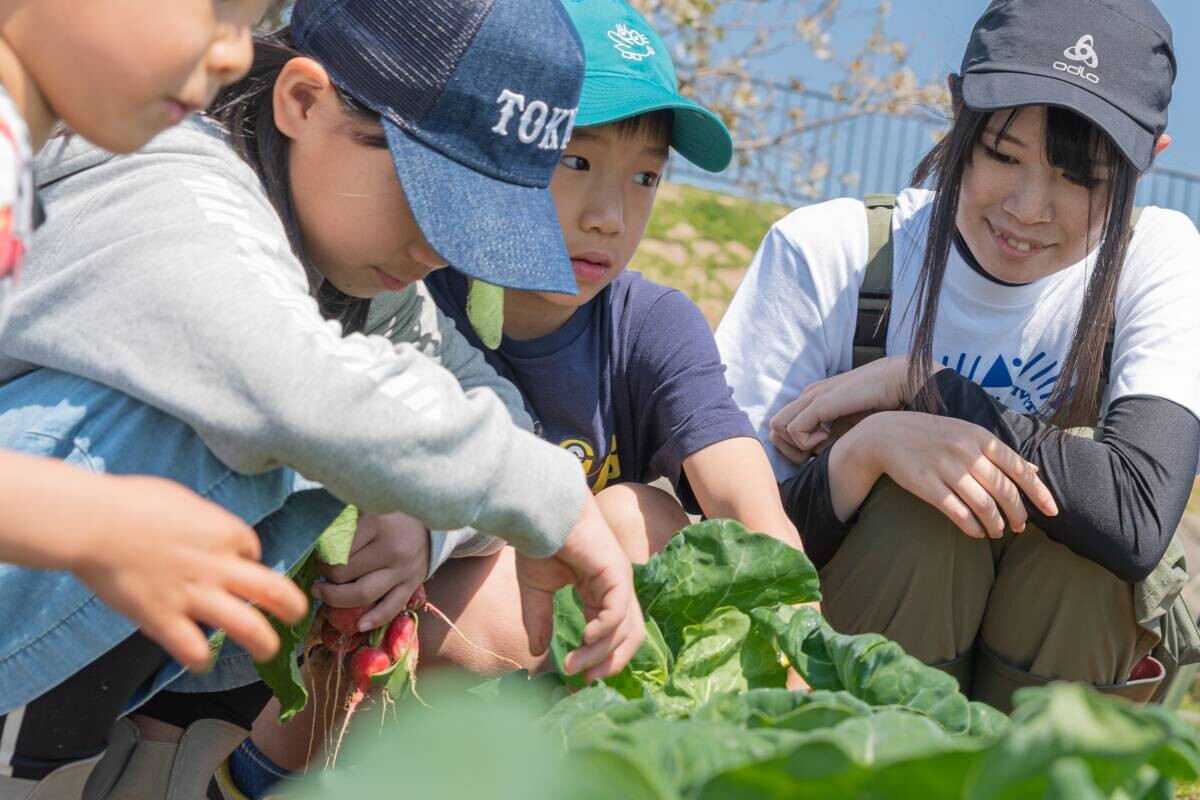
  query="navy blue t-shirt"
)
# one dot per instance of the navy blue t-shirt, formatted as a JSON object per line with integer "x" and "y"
{"x": 632, "y": 384}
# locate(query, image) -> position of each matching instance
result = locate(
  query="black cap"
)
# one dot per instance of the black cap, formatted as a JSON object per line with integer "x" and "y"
{"x": 1110, "y": 61}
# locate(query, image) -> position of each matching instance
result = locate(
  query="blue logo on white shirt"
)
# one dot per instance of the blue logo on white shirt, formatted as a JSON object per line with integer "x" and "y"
{"x": 1021, "y": 384}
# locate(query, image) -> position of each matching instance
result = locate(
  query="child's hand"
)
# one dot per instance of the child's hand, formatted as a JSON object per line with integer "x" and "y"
{"x": 170, "y": 561}
{"x": 593, "y": 560}
{"x": 389, "y": 560}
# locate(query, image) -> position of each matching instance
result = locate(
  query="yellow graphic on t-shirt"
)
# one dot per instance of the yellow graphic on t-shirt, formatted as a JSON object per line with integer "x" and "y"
{"x": 581, "y": 449}
{"x": 609, "y": 470}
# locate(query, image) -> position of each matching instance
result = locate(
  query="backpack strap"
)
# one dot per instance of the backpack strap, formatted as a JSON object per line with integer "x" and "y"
{"x": 875, "y": 294}
{"x": 1106, "y": 365}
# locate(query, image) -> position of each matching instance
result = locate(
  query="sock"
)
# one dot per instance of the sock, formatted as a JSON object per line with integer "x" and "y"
{"x": 253, "y": 773}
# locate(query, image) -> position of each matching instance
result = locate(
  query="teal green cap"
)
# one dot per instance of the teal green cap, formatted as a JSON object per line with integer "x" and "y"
{"x": 628, "y": 71}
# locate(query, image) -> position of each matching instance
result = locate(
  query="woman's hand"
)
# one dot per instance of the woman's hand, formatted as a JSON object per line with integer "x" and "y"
{"x": 957, "y": 467}
{"x": 388, "y": 561}
{"x": 592, "y": 560}
{"x": 805, "y": 426}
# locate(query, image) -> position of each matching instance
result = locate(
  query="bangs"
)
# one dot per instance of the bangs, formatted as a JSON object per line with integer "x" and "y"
{"x": 658, "y": 127}
{"x": 1073, "y": 144}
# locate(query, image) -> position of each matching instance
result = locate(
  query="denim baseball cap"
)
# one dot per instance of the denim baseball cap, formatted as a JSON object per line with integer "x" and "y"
{"x": 1110, "y": 61}
{"x": 628, "y": 71}
{"x": 477, "y": 100}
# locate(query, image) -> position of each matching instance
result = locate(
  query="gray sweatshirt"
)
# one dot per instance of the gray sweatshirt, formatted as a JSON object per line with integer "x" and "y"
{"x": 168, "y": 275}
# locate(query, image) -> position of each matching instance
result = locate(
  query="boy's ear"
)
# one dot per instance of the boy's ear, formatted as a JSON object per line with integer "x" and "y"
{"x": 302, "y": 88}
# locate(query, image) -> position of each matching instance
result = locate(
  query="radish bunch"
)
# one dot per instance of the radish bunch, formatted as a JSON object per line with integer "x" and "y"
{"x": 383, "y": 659}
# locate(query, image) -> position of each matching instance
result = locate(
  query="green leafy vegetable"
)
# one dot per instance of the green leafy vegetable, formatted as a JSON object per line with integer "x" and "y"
{"x": 702, "y": 711}
{"x": 282, "y": 672}
{"x": 719, "y": 563}
{"x": 336, "y": 542}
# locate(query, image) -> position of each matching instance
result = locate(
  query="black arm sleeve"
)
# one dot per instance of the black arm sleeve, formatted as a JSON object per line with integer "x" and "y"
{"x": 809, "y": 504}
{"x": 1120, "y": 495}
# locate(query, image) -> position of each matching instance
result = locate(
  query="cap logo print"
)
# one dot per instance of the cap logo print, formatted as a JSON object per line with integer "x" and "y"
{"x": 538, "y": 119}
{"x": 1083, "y": 51}
{"x": 630, "y": 42}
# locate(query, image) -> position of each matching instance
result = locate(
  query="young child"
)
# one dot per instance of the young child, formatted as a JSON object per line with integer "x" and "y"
{"x": 118, "y": 73}
{"x": 625, "y": 374}
{"x": 1021, "y": 276}
{"x": 215, "y": 355}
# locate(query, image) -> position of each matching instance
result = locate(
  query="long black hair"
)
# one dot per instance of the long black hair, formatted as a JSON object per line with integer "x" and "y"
{"x": 1075, "y": 146}
{"x": 247, "y": 111}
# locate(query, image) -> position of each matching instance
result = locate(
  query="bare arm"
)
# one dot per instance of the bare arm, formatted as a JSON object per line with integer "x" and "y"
{"x": 732, "y": 479}
{"x": 156, "y": 552}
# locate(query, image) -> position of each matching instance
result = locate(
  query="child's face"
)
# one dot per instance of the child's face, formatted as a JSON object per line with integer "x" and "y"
{"x": 118, "y": 72}
{"x": 355, "y": 223}
{"x": 1022, "y": 217}
{"x": 603, "y": 192}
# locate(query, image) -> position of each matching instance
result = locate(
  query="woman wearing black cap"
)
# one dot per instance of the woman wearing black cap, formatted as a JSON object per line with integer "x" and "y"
{"x": 1020, "y": 300}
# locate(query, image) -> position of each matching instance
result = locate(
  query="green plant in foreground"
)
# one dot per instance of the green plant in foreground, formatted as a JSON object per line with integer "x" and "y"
{"x": 702, "y": 711}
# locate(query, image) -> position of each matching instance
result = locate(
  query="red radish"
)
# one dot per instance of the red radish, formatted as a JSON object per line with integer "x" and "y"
{"x": 345, "y": 619}
{"x": 417, "y": 601}
{"x": 368, "y": 661}
{"x": 339, "y": 643}
{"x": 365, "y": 662}
{"x": 401, "y": 637}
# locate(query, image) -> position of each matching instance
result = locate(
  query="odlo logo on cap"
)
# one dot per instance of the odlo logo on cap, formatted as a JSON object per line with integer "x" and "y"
{"x": 538, "y": 119}
{"x": 1084, "y": 52}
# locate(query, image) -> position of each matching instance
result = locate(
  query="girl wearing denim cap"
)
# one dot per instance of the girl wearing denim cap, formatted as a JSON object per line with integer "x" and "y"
{"x": 248, "y": 254}
{"x": 976, "y": 516}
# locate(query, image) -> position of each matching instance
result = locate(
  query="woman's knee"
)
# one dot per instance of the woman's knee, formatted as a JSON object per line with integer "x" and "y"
{"x": 1058, "y": 614}
{"x": 644, "y": 518}
{"x": 907, "y": 572}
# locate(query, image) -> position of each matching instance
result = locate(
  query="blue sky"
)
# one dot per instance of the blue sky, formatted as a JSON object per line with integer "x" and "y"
{"x": 937, "y": 31}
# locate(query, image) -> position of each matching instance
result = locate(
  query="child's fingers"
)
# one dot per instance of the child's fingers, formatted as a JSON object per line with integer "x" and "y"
{"x": 242, "y": 623}
{"x": 629, "y": 628}
{"x": 365, "y": 591}
{"x": 273, "y": 592}
{"x": 615, "y": 661}
{"x": 388, "y": 607}
{"x": 181, "y": 638}
{"x": 607, "y": 606}
{"x": 614, "y": 650}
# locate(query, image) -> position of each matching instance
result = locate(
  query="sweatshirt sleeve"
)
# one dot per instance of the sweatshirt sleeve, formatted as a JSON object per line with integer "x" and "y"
{"x": 1121, "y": 493}
{"x": 808, "y": 500}
{"x": 412, "y": 316}
{"x": 169, "y": 282}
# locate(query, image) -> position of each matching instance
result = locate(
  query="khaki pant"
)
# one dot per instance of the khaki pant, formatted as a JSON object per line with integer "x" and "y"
{"x": 996, "y": 613}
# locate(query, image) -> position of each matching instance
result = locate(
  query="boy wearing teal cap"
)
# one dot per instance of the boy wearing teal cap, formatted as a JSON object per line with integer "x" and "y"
{"x": 625, "y": 374}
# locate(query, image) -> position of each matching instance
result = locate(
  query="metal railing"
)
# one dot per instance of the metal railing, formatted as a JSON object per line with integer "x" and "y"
{"x": 848, "y": 154}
